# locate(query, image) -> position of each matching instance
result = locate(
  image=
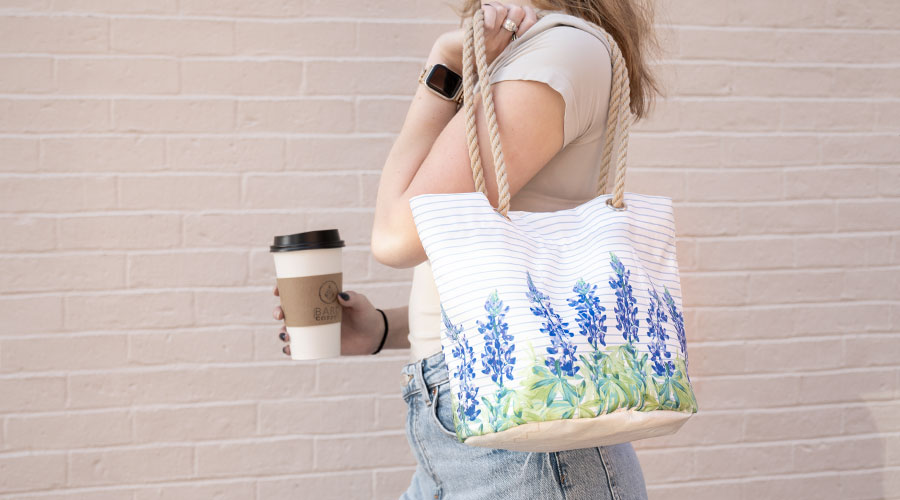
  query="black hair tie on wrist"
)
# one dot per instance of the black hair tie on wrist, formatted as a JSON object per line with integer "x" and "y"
{"x": 385, "y": 331}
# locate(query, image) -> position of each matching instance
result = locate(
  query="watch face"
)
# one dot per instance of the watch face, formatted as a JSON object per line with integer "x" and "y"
{"x": 444, "y": 80}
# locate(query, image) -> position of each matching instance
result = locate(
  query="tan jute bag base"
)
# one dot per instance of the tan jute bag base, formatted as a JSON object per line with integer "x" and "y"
{"x": 568, "y": 434}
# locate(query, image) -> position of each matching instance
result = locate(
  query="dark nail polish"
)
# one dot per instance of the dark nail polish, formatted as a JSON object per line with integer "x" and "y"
{"x": 345, "y": 295}
{"x": 281, "y": 335}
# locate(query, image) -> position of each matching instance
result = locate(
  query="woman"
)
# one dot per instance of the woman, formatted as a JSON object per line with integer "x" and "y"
{"x": 551, "y": 89}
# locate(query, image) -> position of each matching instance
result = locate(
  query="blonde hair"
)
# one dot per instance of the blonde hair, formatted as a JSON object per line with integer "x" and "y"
{"x": 630, "y": 22}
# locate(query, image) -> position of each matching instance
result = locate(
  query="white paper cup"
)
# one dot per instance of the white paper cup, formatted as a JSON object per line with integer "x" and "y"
{"x": 308, "y": 272}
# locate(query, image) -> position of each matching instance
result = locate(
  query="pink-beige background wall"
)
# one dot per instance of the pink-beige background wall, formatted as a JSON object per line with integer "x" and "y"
{"x": 150, "y": 149}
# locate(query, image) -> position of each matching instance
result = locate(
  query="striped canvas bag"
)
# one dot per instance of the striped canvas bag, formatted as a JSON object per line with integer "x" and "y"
{"x": 561, "y": 330}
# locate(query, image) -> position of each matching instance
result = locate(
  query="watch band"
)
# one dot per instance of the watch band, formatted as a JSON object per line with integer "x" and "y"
{"x": 459, "y": 97}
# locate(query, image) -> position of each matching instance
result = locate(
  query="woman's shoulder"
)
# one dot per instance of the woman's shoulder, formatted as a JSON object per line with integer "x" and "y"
{"x": 572, "y": 31}
{"x": 572, "y": 42}
{"x": 562, "y": 42}
{"x": 568, "y": 54}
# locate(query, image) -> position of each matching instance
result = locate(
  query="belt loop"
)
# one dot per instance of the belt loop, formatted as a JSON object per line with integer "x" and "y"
{"x": 420, "y": 381}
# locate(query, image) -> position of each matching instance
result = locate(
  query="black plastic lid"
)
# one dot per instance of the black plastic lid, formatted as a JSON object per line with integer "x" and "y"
{"x": 310, "y": 240}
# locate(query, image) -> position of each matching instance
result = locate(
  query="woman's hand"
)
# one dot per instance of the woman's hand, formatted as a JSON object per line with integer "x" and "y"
{"x": 361, "y": 325}
{"x": 449, "y": 45}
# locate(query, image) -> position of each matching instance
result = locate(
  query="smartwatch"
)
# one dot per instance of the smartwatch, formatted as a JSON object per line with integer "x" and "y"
{"x": 443, "y": 81}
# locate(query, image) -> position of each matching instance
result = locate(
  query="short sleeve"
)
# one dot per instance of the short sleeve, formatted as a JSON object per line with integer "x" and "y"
{"x": 573, "y": 62}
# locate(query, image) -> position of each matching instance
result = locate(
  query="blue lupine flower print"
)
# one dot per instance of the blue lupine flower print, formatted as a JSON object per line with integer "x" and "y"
{"x": 678, "y": 320}
{"x": 556, "y": 328}
{"x": 590, "y": 313}
{"x": 656, "y": 318}
{"x": 497, "y": 358}
{"x": 626, "y": 307}
{"x": 465, "y": 373}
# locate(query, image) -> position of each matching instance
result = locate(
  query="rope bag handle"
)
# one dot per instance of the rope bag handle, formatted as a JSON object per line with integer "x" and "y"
{"x": 619, "y": 117}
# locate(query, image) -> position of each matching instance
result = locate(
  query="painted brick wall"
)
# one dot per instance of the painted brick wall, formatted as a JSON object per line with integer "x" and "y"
{"x": 149, "y": 150}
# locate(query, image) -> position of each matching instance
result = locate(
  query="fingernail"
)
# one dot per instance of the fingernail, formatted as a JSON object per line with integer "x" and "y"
{"x": 345, "y": 295}
{"x": 281, "y": 335}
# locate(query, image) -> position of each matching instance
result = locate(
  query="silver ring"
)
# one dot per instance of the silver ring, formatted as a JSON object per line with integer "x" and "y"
{"x": 511, "y": 25}
{"x": 610, "y": 205}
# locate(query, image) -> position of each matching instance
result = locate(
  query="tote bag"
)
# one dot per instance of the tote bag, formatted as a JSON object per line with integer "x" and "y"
{"x": 563, "y": 329}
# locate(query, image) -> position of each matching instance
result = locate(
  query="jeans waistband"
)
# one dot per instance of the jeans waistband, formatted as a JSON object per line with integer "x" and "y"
{"x": 426, "y": 372}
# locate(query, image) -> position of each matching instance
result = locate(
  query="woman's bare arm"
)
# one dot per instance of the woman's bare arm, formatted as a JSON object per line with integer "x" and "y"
{"x": 427, "y": 116}
{"x": 530, "y": 118}
{"x": 430, "y": 155}
{"x": 398, "y": 328}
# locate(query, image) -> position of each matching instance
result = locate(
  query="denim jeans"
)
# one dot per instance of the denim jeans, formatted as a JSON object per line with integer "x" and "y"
{"x": 452, "y": 470}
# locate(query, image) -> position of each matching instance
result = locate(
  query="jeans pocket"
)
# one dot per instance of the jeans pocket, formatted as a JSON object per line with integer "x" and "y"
{"x": 442, "y": 410}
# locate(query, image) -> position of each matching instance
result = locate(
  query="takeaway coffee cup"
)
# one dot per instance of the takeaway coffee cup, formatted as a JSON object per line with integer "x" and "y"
{"x": 308, "y": 273}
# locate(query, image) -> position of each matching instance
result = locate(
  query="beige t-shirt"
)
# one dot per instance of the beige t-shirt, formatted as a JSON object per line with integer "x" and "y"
{"x": 572, "y": 56}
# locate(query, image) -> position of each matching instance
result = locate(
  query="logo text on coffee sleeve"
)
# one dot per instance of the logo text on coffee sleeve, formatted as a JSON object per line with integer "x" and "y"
{"x": 310, "y": 300}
